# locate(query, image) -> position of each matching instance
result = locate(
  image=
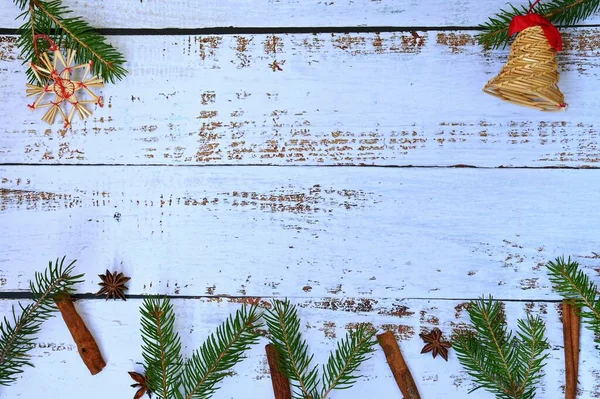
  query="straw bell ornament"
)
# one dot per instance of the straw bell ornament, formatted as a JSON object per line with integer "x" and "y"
{"x": 59, "y": 91}
{"x": 530, "y": 76}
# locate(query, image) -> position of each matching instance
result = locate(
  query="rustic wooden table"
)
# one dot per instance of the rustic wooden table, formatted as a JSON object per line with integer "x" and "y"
{"x": 283, "y": 157}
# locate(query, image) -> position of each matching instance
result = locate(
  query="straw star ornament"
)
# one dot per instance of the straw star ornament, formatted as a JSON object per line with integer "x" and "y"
{"x": 59, "y": 91}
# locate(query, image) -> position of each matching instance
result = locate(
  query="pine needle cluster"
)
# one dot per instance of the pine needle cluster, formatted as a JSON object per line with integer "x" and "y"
{"x": 51, "y": 18}
{"x": 507, "y": 365}
{"x": 18, "y": 332}
{"x": 572, "y": 283}
{"x": 296, "y": 362}
{"x": 559, "y": 12}
{"x": 169, "y": 376}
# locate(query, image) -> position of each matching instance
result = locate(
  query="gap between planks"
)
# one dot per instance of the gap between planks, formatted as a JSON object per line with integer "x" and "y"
{"x": 252, "y": 30}
{"x": 458, "y": 166}
{"x": 21, "y": 295}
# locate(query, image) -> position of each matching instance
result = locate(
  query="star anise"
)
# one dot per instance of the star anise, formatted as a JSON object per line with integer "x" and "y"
{"x": 113, "y": 285}
{"x": 434, "y": 343}
{"x": 141, "y": 384}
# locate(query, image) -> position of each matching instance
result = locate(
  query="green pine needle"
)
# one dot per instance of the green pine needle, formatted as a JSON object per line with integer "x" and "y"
{"x": 295, "y": 361}
{"x": 162, "y": 347}
{"x": 51, "y": 18}
{"x": 559, "y": 12}
{"x": 572, "y": 283}
{"x": 530, "y": 354}
{"x": 17, "y": 336}
{"x": 351, "y": 352}
{"x": 169, "y": 377}
{"x": 294, "y": 358}
{"x": 506, "y": 365}
{"x": 219, "y": 353}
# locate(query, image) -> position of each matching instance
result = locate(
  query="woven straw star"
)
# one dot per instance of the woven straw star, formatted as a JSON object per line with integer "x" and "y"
{"x": 66, "y": 94}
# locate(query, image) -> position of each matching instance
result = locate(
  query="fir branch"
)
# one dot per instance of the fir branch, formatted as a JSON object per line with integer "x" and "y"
{"x": 219, "y": 353}
{"x": 530, "y": 354}
{"x": 572, "y": 283}
{"x": 162, "y": 347}
{"x": 168, "y": 376}
{"x": 559, "y": 12}
{"x": 470, "y": 352}
{"x": 353, "y": 350}
{"x": 506, "y": 365}
{"x": 50, "y": 17}
{"x": 488, "y": 320}
{"x": 294, "y": 360}
{"x": 17, "y": 336}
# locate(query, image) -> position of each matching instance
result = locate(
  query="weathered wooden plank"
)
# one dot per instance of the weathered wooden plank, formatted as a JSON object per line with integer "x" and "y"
{"x": 349, "y": 99}
{"x": 279, "y": 13}
{"x": 262, "y": 231}
{"x": 115, "y": 326}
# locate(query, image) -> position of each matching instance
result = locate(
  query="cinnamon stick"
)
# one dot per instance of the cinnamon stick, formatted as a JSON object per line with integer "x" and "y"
{"x": 281, "y": 384}
{"x": 576, "y": 323}
{"x": 571, "y": 343}
{"x": 568, "y": 345}
{"x": 400, "y": 370}
{"x": 86, "y": 345}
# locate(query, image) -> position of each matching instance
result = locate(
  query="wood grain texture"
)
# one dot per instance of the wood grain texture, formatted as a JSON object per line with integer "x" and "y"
{"x": 339, "y": 99}
{"x": 116, "y": 326}
{"x": 263, "y": 231}
{"x": 280, "y": 13}
{"x": 169, "y": 195}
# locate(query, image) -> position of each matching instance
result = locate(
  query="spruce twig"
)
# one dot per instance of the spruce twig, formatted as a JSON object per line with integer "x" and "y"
{"x": 162, "y": 347}
{"x": 168, "y": 375}
{"x": 294, "y": 358}
{"x": 572, "y": 283}
{"x": 51, "y": 18}
{"x": 17, "y": 336}
{"x": 559, "y": 12}
{"x": 351, "y": 352}
{"x": 219, "y": 353}
{"x": 295, "y": 361}
{"x": 508, "y": 366}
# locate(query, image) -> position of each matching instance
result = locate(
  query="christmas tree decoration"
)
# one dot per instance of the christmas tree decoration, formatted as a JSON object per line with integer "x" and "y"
{"x": 168, "y": 375}
{"x": 17, "y": 336}
{"x": 57, "y": 89}
{"x": 48, "y": 27}
{"x": 507, "y": 365}
{"x": 50, "y": 19}
{"x": 113, "y": 285}
{"x": 496, "y": 31}
{"x": 86, "y": 344}
{"x": 295, "y": 362}
{"x": 400, "y": 370}
{"x": 435, "y": 344}
{"x": 530, "y": 76}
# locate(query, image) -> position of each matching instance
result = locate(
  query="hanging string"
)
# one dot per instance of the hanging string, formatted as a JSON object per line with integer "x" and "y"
{"x": 53, "y": 45}
{"x": 532, "y": 6}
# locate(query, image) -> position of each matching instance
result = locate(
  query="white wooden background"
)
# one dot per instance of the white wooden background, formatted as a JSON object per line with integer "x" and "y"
{"x": 212, "y": 174}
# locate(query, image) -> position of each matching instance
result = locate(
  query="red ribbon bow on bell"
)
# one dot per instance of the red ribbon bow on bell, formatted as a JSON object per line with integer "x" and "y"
{"x": 522, "y": 22}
